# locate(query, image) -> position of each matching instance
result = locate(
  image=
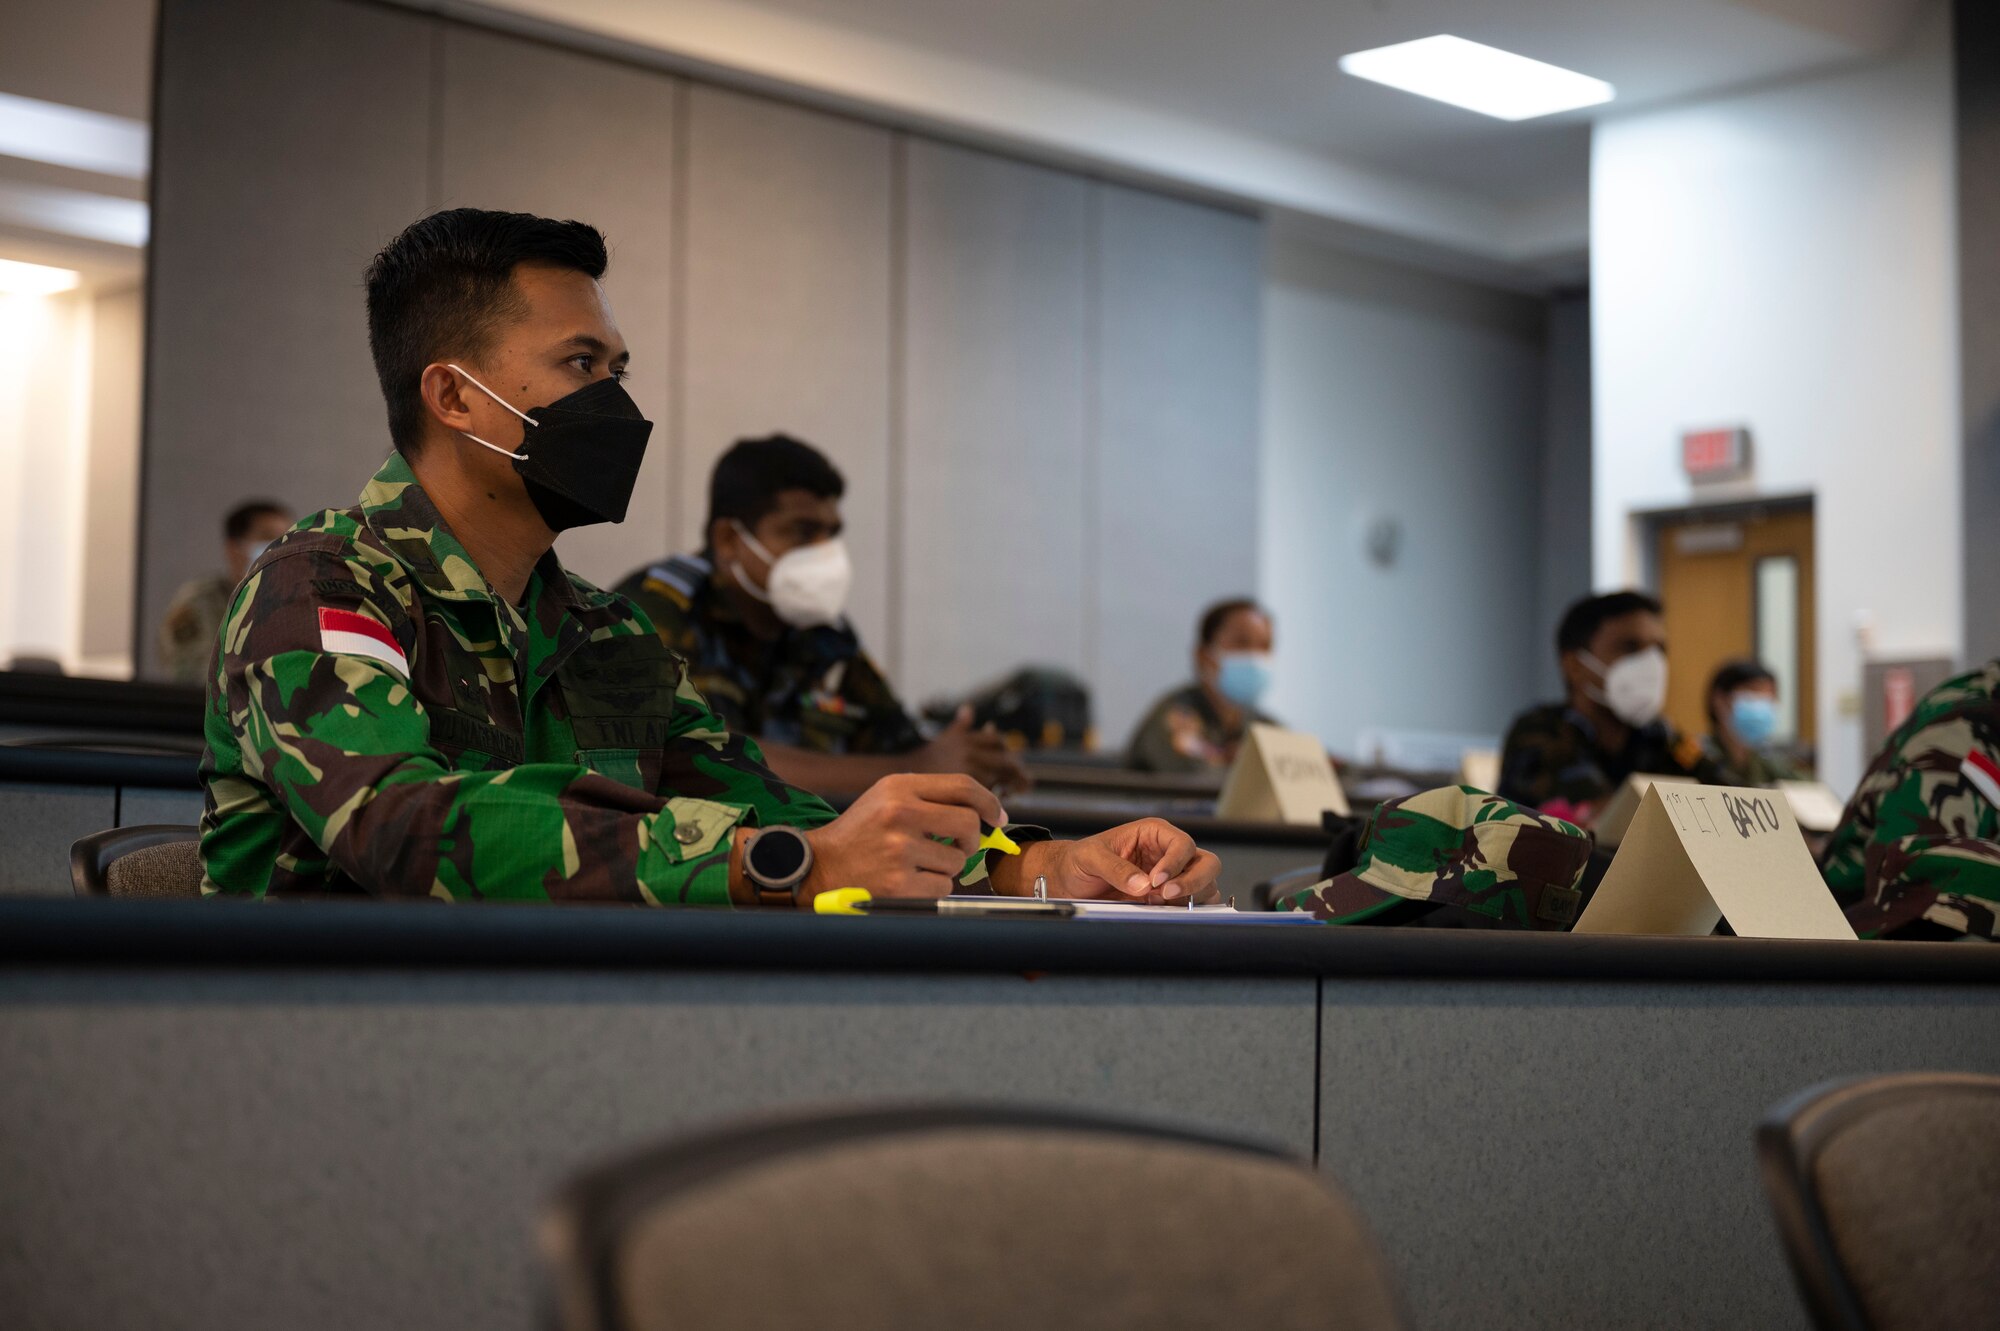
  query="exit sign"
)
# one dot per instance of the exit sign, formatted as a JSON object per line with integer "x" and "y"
{"x": 1716, "y": 455}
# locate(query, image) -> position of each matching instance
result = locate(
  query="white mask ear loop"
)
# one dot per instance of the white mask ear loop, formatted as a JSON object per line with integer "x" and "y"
{"x": 504, "y": 452}
{"x": 736, "y": 565}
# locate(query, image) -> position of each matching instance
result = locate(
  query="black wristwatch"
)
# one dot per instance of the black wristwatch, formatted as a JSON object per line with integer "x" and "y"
{"x": 776, "y": 860}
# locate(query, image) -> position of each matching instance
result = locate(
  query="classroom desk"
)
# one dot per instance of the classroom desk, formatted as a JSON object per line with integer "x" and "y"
{"x": 332, "y": 1115}
{"x": 51, "y": 795}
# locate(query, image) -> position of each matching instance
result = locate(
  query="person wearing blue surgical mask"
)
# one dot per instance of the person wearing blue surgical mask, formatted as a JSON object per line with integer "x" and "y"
{"x": 1198, "y": 727}
{"x": 1743, "y": 725}
{"x": 194, "y": 617}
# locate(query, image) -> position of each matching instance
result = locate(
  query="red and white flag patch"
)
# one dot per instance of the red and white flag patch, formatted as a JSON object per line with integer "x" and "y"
{"x": 1984, "y": 774}
{"x": 345, "y": 633}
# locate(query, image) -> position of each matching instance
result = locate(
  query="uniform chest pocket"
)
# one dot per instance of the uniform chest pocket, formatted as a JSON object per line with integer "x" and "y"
{"x": 637, "y": 768}
{"x": 619, "y": 694}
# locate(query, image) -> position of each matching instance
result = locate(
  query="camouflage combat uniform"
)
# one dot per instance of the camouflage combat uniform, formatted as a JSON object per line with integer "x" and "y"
{"x": 554, "y": 750}
{"x": 1183, "y": 732}
{"x": 1551, "y": 761}
{"x": 1763, "y": 769}
{"x": 811, "y": 689}
{"x": 187, "y": 632}
{"x": 1920, "y": 841}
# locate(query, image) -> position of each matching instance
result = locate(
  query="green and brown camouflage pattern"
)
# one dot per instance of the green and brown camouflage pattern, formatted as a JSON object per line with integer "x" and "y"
{"x": 1183, "y": 732}
{"x": 1551, "y": 761}
{"x": 1459, "y": 847}
{"x": 812, "y": 688}
{"x": 551, "y": 751}
{"x": 1919, "y": 841}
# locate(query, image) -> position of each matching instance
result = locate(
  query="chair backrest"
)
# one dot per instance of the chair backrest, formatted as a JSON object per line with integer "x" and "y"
{"x": 966, "y": 1218}
{"x": 1886, "y": 1192}
{"x": 150, "y": 860}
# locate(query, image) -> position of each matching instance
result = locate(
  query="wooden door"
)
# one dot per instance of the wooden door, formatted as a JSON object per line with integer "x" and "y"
{"x": 1733, "y": 587}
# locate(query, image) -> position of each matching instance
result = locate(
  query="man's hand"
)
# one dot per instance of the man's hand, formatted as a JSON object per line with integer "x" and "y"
{"x": 981, "y": 754}
{"x": 1150, "y": 862}
{"x": 886, "y": 841}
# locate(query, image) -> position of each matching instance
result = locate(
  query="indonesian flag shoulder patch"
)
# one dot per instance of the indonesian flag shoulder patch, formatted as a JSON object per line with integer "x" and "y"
{"x": 1984, "y": 774}
{"x": 345, "y": 633}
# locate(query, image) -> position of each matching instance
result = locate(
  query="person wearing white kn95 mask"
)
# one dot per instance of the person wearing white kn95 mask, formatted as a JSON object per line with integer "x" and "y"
{"x": 760, "y": 614}
{"x": 1566, "y": 759}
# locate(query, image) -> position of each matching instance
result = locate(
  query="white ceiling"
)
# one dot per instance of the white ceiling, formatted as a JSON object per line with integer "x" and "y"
{"x": 1268, "y": 67}
{"x": 1241, "y": 97}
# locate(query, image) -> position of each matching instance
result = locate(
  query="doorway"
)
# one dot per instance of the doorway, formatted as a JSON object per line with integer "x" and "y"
{"x": 1737, "y": 581}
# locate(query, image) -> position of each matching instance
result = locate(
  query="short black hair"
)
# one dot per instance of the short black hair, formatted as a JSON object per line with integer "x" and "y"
{"x": 237, "y": 525}
{"x": 749, "y": 478}
{"x": 1213, "y": 618}
{"x": 443, "y": 288}
{"x": 1582, "y": 620}
{"x": 1731, "y": 676}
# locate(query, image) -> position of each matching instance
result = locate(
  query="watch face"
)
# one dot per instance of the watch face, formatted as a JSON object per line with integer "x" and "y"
{"x": 777, "y": 855}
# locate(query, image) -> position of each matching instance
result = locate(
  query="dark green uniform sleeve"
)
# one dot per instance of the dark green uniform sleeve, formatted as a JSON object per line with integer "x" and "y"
{"x": 342, "y": 743}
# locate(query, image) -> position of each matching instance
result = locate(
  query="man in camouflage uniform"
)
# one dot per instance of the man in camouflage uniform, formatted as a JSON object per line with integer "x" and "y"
{"x": 793, "y": 674}
{"x": 1457, "y": 858}
{"x": 1917, "y": 854}
{"x": 1566, "y": 759}
{"x": 188, "y": 629}
{"x": 412, "y": 697}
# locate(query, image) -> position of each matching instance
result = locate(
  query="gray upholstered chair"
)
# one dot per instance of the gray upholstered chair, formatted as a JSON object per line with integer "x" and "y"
{"x": 1887, "y": 1196}
{"x": 151, "y": 860}
{"x": 963, "y": 1218}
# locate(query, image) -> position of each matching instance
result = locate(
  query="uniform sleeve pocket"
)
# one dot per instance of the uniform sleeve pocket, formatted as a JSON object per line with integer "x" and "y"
{"x": 637, "y": 768}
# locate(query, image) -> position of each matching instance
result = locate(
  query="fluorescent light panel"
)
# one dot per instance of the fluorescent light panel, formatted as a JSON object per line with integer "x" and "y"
{"x": 71, "y": 136}
{"x": 1478, "y": 77}
{"x": 72, "y": 212}
{"x": 34, "y": 279}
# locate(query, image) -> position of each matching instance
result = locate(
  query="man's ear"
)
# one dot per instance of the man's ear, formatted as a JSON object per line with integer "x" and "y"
{"x": 445, "y": 396}
{"x": 1575, "y": 676}
{"x": 722, "y": 539}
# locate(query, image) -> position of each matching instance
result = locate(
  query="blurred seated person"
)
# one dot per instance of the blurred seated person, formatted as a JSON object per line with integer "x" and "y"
{"x": 1742, "y": 718}
{"x": 1199, "y": 726}
{"x": 759, "y": 616}
{"x": 1567, "y": 758}
{"x": 1917, "y": 854}
{"x": 187, "y": 633}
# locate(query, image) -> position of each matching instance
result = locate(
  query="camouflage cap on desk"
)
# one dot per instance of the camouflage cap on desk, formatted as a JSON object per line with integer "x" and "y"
{"x": 1456, "y": 846}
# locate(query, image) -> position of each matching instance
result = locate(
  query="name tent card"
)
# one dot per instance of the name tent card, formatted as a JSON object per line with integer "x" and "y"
{"x": 1698, "y": 854}
{"x": 1281, "y": 776}
{"x": 1616, "y": 816}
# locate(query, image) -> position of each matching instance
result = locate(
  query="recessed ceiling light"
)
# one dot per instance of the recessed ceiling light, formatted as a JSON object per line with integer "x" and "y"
{"x": 1477, "y": 77}
{"x": 34, "y": 279}
{"x": 73, "y": 137}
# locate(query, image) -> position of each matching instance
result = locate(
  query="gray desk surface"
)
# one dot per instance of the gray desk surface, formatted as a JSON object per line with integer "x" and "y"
{"x": 331, "y": 1114}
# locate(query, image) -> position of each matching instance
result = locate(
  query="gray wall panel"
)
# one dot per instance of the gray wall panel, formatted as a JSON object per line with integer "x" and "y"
{"x": 1578, "y": 1155}
{"x": 277, "y": 1149}
{"x": 1976, "y": 45}
{"x": 38, "y": 823}
{"x": 293, "y": 142}
{"x": 530, "y": 127}
{"x": 994, "y": 370}
{"x": 1175, "y": 483}
{"x": 788, "y": 320}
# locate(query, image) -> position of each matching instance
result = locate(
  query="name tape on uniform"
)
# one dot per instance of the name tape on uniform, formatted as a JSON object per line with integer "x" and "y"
{"x": 1698, "y": 854}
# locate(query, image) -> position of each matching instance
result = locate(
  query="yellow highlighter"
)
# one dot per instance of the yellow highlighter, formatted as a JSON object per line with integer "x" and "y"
{"x": 843, "y": 901}
{"x": 998, "y": 840}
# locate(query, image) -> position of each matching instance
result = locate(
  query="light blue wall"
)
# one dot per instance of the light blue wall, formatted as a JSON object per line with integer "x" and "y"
{"x": 1392, "y": 393}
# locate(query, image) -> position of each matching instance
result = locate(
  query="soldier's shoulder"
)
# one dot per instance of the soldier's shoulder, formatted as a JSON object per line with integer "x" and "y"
{"x": 672, "y": 593}
{"x": 1548, "y": 723}
{"x": 331, "y": 556}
